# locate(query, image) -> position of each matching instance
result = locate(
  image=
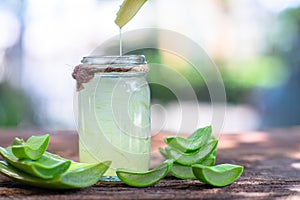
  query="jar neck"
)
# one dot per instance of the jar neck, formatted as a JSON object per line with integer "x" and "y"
{"x": 128, "y": 65}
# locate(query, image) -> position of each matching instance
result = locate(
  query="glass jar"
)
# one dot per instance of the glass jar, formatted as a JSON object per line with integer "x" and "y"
{"x": 113, "y": 112}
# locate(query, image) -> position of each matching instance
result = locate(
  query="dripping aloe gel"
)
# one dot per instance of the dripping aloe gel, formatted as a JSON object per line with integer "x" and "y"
{"x": 114, "y": 115}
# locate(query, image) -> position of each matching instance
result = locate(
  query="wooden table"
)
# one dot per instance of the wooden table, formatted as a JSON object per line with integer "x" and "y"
{"x": 271, "y": 160}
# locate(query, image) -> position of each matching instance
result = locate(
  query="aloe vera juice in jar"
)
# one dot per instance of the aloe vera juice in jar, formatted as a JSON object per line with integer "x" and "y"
{"x": 114, "y": 120}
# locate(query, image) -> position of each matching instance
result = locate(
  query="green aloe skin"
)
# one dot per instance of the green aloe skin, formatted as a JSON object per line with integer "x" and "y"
{"x": 218, "y": 175}
{"x": 186, "y": 172}
{"x": 145, "y": 179}
{"x": 46, "y": 167}
{"x": 193, "y": 157}
{"x": 49, "y": 170}
{"x": 192, "y": 143}
{"x": 33, "y": 148}
{"x": 182, "y": 172}
{"x": 79, "y": 175}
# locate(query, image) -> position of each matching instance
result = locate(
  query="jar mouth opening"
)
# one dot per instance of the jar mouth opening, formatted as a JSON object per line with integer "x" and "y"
{"x": 116, "y": 64}
{"x": 112, "y": 60}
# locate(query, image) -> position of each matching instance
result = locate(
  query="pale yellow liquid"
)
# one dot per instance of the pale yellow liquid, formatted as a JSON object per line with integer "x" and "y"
{"x": 114, "y": 122}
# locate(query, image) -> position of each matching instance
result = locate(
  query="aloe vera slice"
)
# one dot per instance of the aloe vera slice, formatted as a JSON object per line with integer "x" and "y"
{"x": 163, "y": 152}
{"x": 199, "y": 132}
{"x": 200, "y": 137}
{"x": 46, "y": 167}
{"x": 128, "y": 10}
{"x": 145, "y": 179}
{"x": 182, "y": 172}
{"x": 17, "y": 141}
{"x": 194, "y": 157}
{"x": 186, "y": 172}
{"x": 33, "y": 148}
{"x": 219, "y": 175}
{"x": 79, "y": 175}
{"x": 209, "y": 160}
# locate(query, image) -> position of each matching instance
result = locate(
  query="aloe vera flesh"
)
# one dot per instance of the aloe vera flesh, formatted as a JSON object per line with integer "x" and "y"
{"x": 78, "y": 176}
{"x": 194, "y": 157}
{"x": 46, "y": 167}
{"x": 33, "y": 148}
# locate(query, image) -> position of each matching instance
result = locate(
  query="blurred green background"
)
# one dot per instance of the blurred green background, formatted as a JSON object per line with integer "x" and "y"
{"x": 255, "y": 45}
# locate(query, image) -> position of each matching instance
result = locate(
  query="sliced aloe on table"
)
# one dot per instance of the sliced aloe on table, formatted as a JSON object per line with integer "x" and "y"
{"x": 79, "y": 175}
{"x": 33, "y": 148}
{"x": 219, "y": 175}
{"x": 194, "y": 157}
{"x": 145, "y": 179}
{"x": 17, "y": 141}
{"x": 128, "y": 10}
{"x": 182, "y": 172}
{"x": 186, "y": 172}
{"x": 46, "y": 167}
{"x": 199, "y": 132}
{"x": 163, "y": 152}
{"x": 198, "y": 139}
{"x": 209, "y": 160}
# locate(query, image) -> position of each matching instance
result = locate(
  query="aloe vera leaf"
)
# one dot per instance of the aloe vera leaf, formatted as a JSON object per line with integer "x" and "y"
{"x": 145, "y": 179}
{"x": 194, "y": 157}
{"x": 127, "y": 11}
{"x": 199, "y": 132}
{"x": 190, "y": 144}
{"x": 182, "y": 172}
{"x": 209, "y": 160}
{"x": 163, "y": 152}
{"x": 46, "y": 167}
{"x": 17, "y": 141}
{"x": 79, "y": 175}
{"x": 218, "y": 175}
{"x": 33, "y": 148}
{"x": 186, "y": 172}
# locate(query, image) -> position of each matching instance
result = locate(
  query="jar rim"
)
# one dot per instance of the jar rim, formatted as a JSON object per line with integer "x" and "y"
{"x": 114, "y": 59}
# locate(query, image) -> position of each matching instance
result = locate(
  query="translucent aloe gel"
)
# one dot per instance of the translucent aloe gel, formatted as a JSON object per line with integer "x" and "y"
{"x": 114, "y": 115}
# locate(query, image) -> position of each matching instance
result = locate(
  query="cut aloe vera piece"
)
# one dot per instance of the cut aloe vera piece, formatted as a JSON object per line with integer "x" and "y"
{"x": 219, "y": 175}
{"x": 128, "y": 10}
{"x": 33, "y": 148}
{"x": 186, "y": 172}
{"x": 199, "y": 132}
{"x": 163, "y": 152}
{"x": 182, "y": 172}
{"x": 209, "y": 160}
{"x": 17, "y": 141}
{"x": 145, "y": 179}
{"x": 201, "y": 136}
{"x": 79, "y": 175}
{"x": 46, "y": 167}
{"x": 194, "y": 157}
